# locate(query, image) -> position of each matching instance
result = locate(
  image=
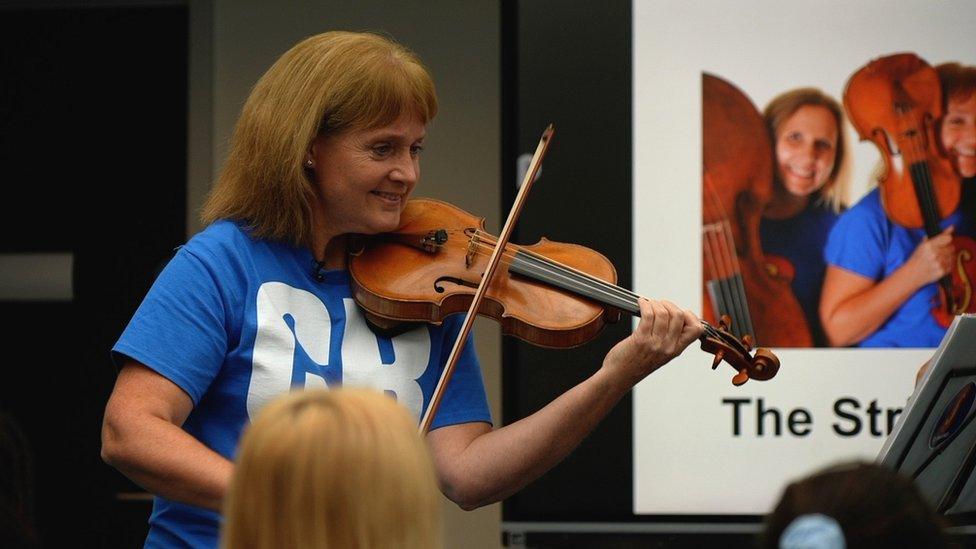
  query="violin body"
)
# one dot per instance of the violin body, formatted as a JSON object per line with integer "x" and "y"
{"x": 963, "y": 276}
{"x": 395, "y": 277}
{"x": 737, "y": 185}
{"x": 550, "y": 294}
{"x": 894, "y": 102}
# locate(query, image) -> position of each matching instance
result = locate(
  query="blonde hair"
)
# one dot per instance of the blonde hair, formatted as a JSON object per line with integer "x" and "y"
{"x": 323, "y": 85}
{"x": 835, "y": 193}
{"x": 343, "y": 468}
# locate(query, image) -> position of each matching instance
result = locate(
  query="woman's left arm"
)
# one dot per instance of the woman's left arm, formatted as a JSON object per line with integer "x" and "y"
{"x": 477, "y": 465}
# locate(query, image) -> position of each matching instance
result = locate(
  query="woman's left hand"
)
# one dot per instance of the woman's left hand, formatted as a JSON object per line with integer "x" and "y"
{"x": 664, "y": 331}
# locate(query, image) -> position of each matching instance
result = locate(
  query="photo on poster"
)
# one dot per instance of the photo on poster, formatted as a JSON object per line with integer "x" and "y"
{"x": 757, "y": 199}
{"x": 765, "y": 232}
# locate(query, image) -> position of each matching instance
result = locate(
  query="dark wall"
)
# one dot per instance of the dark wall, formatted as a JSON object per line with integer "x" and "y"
{"x": 93, "y": 108}
{"x": 569, "y": 63}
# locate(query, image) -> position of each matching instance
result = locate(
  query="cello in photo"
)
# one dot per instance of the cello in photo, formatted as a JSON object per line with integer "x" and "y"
{"x": 737, "y": 184}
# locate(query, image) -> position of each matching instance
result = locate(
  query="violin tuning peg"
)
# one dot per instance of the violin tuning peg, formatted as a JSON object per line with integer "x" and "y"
{"x": 740, "y": 378}
{"x": 718, "y": 358}
{"x": 724, "y": 322}
{"x": 747, "y": 341}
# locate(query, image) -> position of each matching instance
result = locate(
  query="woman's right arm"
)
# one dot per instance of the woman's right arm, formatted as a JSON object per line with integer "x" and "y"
{"x": 852, "y": 306}
{"x": 142, "y": 437}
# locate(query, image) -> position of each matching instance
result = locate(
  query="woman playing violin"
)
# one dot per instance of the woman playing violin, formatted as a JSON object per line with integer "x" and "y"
{"x": 809, "y": 189}
{"x": 328, "y": 144}
{"x": 880, "y": 284}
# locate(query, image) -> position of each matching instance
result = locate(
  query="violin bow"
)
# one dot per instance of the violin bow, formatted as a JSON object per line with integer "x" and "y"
{"x": 496, "y": 255}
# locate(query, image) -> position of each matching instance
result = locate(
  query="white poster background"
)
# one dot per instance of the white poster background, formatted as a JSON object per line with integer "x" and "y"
{"x": 686, "y": 458}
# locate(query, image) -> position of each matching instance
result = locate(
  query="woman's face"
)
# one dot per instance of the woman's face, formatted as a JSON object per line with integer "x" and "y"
{"x": 806, "y": 147}
{"x": 959, "y": 134}
{"x": 364, "y": 176}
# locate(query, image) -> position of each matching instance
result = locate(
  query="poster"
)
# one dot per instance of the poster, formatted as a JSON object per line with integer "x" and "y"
{"x": 702, "y": 446}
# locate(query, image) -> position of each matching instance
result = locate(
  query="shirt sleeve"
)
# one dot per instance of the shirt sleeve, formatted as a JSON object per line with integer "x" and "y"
{"x": 179, "y": 329}
{"x": 858, "y": 241}
{"x": 464, "y": 400}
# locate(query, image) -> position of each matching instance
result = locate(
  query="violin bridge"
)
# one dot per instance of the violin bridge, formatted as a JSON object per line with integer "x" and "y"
{"x": 472, "y": 250}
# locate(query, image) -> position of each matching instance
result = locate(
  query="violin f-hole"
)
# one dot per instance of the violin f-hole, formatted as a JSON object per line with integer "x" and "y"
{"x": 961, "y": 302}
{"x": 455, "y": 280}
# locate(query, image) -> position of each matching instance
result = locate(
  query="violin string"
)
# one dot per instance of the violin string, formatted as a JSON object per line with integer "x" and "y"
{"x": 548, "y": 270}
{"x": 601, "y": 290}
{"x": 727, "y": 271}
{"x": 720, "y": 246}
{"x": 739, "y": 306}
{"x": 920, "y": 173}
{"x": 574, "y": 280}
{"x": 571, "y": 280}
{"x": 720, "y": 288}
{"x": 710, "y": 266}
{"x": 916, "y": 159}
{"x": 743, "y": 302}
{"x": 719, "y": 283}
{"x": 713, "y": 280}
{"x": 722, "y": 298}
{"x": 732, "y": 289}
{"x": 724, "y": 288}
{"x": 577, "y": 280}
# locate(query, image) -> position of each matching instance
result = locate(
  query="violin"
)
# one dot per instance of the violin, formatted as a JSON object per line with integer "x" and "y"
{"x": 737, "y": 184}
{"x": 894, "y": 102}
{"x": 441, "y": 259}
{"x": 550, "y": 294}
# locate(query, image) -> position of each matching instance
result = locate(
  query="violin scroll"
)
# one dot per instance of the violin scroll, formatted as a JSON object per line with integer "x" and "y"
{"x": 737, "y": 353}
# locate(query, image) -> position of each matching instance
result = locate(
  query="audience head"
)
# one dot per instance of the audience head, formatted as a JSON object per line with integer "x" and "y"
{"x": 853, "y": 505}
{"x": 343, "y": 468}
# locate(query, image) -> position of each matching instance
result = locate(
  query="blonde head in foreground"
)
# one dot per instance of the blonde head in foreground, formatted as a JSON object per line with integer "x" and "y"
{"x": 342, "y": 468}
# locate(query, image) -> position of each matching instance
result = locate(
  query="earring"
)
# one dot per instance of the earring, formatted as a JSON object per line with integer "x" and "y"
{"x": 308, "y": 163}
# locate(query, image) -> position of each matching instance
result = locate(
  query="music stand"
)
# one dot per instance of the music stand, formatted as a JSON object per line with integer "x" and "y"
{"x": 935, "y": 441}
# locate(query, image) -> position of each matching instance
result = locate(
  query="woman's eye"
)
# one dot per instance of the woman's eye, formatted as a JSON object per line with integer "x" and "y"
{"x": 824, "y": 145}
{"x": 382, "y": 150}
{"x": 794, "y": 137}
{"x": 416, "y": 150}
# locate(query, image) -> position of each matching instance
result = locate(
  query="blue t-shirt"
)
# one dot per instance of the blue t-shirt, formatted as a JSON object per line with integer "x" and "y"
{"x": 800, "y": 240}
{"x": 865, "y": 242}
{"x": 235, "y": 322}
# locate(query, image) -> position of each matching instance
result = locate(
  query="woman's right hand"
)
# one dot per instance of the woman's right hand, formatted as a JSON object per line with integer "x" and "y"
{"x": 932, "y": 259}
